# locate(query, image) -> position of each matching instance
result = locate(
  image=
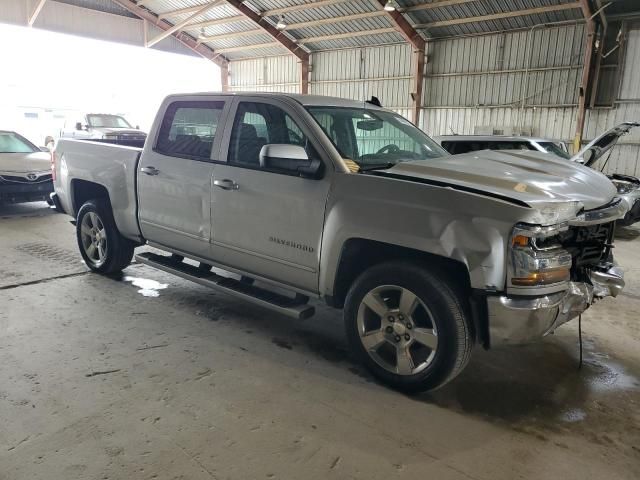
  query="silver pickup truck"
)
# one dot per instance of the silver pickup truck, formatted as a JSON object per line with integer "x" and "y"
{"x": 291, "y": 197}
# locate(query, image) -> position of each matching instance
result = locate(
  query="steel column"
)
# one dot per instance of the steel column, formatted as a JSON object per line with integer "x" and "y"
{"x": 586, "y": 74}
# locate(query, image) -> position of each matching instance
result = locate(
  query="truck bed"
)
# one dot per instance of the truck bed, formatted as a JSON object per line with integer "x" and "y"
{"x": 88, "y": 164}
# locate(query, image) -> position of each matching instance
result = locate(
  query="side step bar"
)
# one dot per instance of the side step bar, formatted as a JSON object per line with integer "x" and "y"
{"x": 292, "y": 307}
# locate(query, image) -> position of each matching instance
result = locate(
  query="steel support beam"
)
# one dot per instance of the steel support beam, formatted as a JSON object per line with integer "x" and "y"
{"x": 586, "y": 74}
{"x": 498, "y": 16}
{"x": 35, "y": 12}
{"x": 179, "y": 26}
{"x": 303, "y": 6}
{"x": 187, "y": 40}
{"x": 418, "y": 44}
{"x": 224, "y": 77}
{"x": 332, "y": 20}
{"x": 339, "y": 36}
{"x": 434, "y": 4}
{"x": 280, "y": 37}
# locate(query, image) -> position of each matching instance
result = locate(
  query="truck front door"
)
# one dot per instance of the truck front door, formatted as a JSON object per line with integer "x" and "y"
{"x": 174, "y": 177}
{"x": 264, "y": 222}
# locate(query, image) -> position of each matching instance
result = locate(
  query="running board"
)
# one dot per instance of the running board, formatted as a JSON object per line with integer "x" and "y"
{"x": 292, "y": 307}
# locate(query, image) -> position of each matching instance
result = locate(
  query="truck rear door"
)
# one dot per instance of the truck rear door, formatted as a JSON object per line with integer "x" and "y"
{"x": 174, "y": 174}
{"x": 265, "y": 222}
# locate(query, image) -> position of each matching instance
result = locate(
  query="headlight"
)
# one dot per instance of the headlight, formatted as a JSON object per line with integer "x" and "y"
{"x": 624, "y": 187}
{"x": 537, "y": 258}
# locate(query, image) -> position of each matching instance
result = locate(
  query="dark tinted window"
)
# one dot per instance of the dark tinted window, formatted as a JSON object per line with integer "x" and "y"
{"x": 512, "y": 145}
{"x": 455, "y": 147}
{"x": 259, "y": 124}
{"x": 188, "y": 129}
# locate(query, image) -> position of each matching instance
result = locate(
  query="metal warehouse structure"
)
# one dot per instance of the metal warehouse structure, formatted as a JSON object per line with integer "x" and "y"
{"x": 556, "y": 68}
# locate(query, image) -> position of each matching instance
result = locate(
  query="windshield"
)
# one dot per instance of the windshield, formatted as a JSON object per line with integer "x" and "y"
{"x": 551, "y": 147}
{"x": 372, "y": 138}
{"x": 108, "y": 121}
{"x": 11, "y": 142}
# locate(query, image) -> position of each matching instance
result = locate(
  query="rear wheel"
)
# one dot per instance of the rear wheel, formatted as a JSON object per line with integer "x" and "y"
{"x": 102, "y": 247}
{"x": 407, "y": 326}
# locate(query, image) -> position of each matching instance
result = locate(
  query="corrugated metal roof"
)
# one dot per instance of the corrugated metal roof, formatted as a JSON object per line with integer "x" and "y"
{"x": 371, "y": 19}
{"x": 106, "y": 6}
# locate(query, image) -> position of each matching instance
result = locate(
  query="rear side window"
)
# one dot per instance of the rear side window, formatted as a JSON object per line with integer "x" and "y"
{"x": 188, "y": 129}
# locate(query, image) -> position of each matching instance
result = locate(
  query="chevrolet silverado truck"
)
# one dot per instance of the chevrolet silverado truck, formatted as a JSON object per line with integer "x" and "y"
{"x": 293, "y": 197}
{"x": 108, "y": 128}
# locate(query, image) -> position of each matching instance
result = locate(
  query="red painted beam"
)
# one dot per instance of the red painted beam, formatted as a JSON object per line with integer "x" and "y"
{"x": 185, "y": 39}
{"x": 256, "y": 18}
{"x": 419, "y": 44}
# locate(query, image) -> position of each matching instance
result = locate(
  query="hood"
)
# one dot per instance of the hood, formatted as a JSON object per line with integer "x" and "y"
{"x": 25, "y": 162}
{"x": 531, "y": 178}
{"x": 118, "y": 131}
{"x": 600, "y": 145}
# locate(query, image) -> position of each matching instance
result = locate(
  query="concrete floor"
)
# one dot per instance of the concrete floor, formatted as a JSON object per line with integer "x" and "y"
{"x": 151, "y": 376}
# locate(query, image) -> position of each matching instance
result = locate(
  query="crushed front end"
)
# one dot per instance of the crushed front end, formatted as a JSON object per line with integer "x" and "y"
{"x": 555, "y": 273}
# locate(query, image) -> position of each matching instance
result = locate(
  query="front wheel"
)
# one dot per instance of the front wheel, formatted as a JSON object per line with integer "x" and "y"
{"x": 407, "y": 326}
{"x": 102, "y": 247}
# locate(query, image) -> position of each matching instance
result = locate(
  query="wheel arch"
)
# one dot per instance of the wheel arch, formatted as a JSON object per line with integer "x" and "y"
{"x": 359, "y": 254}
{"x": 84, "y": 190}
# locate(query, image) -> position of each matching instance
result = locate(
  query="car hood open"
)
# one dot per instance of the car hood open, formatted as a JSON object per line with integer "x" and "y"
{"x": 600, "y": 145}
{"x": 526, "y": 177}
{"x": 118, "y": 131}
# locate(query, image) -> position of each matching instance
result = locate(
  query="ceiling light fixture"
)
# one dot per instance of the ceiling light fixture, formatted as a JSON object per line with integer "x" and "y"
{"x": 281, "y": 25}
{"x": 390, "y": 6}
{"x": 202, "y": 35}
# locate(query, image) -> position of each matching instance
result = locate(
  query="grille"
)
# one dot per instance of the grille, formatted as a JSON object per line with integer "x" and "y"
{"x": 21, "y": 180}
{"x": 588, "y": 246}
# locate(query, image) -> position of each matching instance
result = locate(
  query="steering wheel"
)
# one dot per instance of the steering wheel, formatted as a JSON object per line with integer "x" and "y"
{"x": 391, "y": 148}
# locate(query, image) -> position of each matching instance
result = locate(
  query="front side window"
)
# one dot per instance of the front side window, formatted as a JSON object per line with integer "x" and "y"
{"x": 188, "y": 129}
{"x": 107, "y": 121}
{"x": 13, "y": 143}
{"x": 371, "y": 138}
{"x": 260, "y": 124}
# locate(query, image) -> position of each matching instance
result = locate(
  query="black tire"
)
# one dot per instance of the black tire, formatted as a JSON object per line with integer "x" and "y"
{"x": 118, "y": 251}
{"x": 439, "y": 305}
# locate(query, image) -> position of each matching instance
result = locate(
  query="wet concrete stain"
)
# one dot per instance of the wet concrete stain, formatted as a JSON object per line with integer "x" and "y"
{"x": 148, "y": 287}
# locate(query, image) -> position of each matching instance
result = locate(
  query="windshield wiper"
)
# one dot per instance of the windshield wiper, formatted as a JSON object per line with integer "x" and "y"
{"x": 377, "y": 166}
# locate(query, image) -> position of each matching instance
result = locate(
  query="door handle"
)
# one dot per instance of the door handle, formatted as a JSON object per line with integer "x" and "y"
{"x": 150, "y": 170}
{"x": 226, "y": 184}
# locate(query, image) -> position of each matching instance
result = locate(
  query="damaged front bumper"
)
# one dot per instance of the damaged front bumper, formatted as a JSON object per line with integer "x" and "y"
{"x": 520, "y": 320}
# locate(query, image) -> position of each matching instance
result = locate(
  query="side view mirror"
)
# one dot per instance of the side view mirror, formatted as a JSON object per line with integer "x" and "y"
{"x": 137, "y": 127}
{"x": 291, "y": 159}
{"x": 78, "y": 125}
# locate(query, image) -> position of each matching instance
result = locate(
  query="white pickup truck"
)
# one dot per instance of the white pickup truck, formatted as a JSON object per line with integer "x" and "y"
{"x": 426, "y": 253}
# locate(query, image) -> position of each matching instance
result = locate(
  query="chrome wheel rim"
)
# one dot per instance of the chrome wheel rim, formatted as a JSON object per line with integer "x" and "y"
{"x": 94, "y": 238}
{"x": 397, "y": 330}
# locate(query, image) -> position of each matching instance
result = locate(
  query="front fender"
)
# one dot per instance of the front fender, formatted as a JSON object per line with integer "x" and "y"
{"x": 467, "y": 227}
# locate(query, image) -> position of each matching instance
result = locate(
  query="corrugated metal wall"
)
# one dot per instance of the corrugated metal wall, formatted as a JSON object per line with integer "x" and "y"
{"x": 473, "y": 84}
{"x": 350, "y": 73}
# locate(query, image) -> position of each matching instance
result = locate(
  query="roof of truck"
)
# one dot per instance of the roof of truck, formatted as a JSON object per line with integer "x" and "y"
{"x": 307, "y": 100}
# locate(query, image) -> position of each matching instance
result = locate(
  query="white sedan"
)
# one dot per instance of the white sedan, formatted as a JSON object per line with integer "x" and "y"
{"x": 25, "y": 170}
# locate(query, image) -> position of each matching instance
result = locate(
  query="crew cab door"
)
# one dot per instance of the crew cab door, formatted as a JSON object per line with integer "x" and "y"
{"x": 174, "y": 175}
{"x": 265, "y": 222}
